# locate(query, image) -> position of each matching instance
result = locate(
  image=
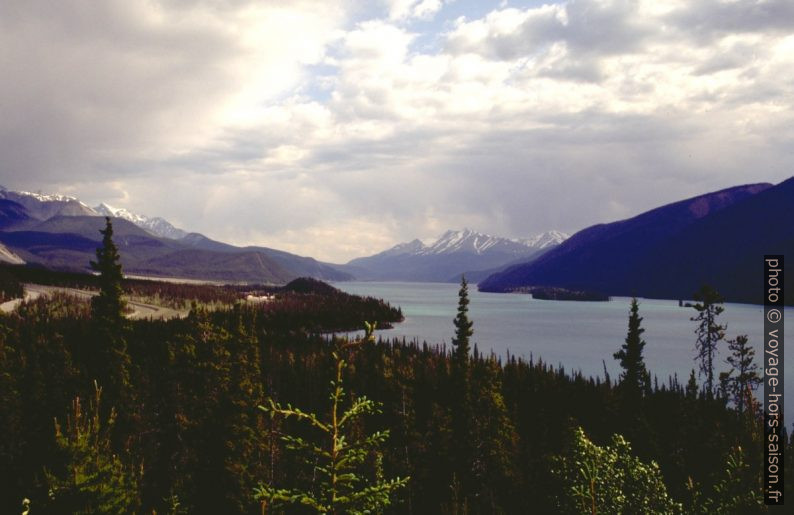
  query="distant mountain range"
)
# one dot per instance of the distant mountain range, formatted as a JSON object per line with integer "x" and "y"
{"x": 454, "y": 253}
{"x": 669, "y": 252}
{"x": 62, "y": 232}
{"x": 718, "y": 238}
{"x": 44, "y": 207}
{"x": 157, "y": 226}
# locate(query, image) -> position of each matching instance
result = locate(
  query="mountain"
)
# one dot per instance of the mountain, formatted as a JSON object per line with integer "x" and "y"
{"x": 299, "y": 266}
{"x": 545, "y": 240}
{"x": 12, "y": 213}
{"x": 669, "y": 252}
{"x": 6, "y": 256}
{"x": 453, "y": 253}
{"x": 42, "y": 207}
{"x": 61, "y": 232}
{"x": 157, "y": 226}
{"x": 69, "y": 243}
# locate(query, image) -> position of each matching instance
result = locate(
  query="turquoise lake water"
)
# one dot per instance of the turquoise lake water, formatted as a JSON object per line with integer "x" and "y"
{"x": 577, "y": 335}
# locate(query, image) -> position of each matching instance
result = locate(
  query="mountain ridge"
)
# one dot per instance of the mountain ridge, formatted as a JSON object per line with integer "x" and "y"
{"x": 651, "y": 255}
{"x": 155, "y": 225}
{"x": 452, "y": 253}
{"x": 62, "y": 232}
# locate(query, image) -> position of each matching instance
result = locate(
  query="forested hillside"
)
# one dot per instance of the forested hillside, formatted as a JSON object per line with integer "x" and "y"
{"x": 188, "y": 429}
{"x": 204, "y": 414}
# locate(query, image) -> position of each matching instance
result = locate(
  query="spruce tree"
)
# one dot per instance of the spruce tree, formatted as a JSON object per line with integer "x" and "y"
{"x": 108, "y": 306}
{"x": 338, "y": 459}
{"x": 494, "y": 440}
{"x": 633, "y": 380}
{"x": 463, "y": 326}
{"x": 111, "y": 359}
{"x": 709, "y": 332}
{"x": 461, "y": 404}
{"x": 692, "y": 387}
{"x": 93, "y": 479}
{"x": 740, "y": 385}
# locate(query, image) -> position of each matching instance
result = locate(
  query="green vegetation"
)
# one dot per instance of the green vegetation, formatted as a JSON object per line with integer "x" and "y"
{"x": 474, "y": 433}
{"x": 305, "y": 303}
{"x": 550, "y": 293}
{"x": 739, "y": 383}
{"x": 192, "y": 423}
{"x": 608, "y": 479}
{"x": 10, "y": 286}
{"x": 709, "y": 332}
{"x": 737, "y": 490}
{"x": 92, "y": 478}
{"x": 634, "y": 381}
{"x": 339, "y": 455}
{"x": 108, "y": 306}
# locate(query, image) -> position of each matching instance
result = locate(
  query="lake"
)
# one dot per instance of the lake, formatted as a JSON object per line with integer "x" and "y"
{"x": 577, "y": 335}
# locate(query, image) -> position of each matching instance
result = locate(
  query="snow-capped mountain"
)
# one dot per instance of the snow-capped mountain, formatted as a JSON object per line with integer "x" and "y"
{"x": 453, "y": 253}
{"x": 477, "y": 243}
{"x": 545, "y": 240}
{"x": 411, "y": 247}
{"x": 44, "y": 207}
{"x": 62, "y": 232}
{"x": 108, "y": 210}
{"x": 156, "y": 225}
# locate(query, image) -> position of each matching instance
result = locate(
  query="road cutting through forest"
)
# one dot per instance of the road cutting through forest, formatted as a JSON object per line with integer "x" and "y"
{"x": 139, "y": 309}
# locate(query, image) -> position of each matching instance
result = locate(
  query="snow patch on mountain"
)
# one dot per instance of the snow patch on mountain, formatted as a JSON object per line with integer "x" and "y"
{"x": 44, "y": 207}
{"x": 6, "y": 256}
{"x": 42, "y": 197}
{"x": 468, "y": 241}
{"x": 475, "y": 242}
{"x": 117, "y": 212}
{"x": 156, "y": 225}
{"x": 411, "y": 247}
{"x": 545, "y": 239}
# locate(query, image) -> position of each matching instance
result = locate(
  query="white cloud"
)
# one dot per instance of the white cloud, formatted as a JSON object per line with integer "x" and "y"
{"x": 121, "y": 80}
{"x": 421, "y": 9}
{"x": 300, "y": 128}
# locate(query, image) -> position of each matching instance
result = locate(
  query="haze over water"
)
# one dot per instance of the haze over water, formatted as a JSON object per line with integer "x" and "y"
{"x": 577, "y": 335}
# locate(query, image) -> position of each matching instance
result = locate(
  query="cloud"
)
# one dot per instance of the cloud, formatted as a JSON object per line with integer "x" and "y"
{"x": 405, "y": 9}
{"x": 714, "y": 18}
{"x": 93, "y": 85}
{"x": 335, "y": 133}
{"x": 586, "y": 28}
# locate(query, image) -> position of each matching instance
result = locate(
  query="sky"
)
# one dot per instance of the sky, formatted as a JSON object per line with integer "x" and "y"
{"x": 338, "y": 129}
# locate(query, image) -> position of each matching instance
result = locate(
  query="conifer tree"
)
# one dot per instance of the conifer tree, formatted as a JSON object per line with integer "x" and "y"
{"x": 692, "y": 386}
{"x": 112, "y": 361}
{"x": 461, "y": 404}
{"x": 494, "y": 440}
{"x": 633, "y": 380}
{"x": 742, "y": 379}
{"x": 108, "y": 306}
{"x": 463, "y": 326}
{"x": 736, "y": 490}
{"x": 709, "y": 332}
{"x": 94, "y": 479}
{"x": 340, "y": 485}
